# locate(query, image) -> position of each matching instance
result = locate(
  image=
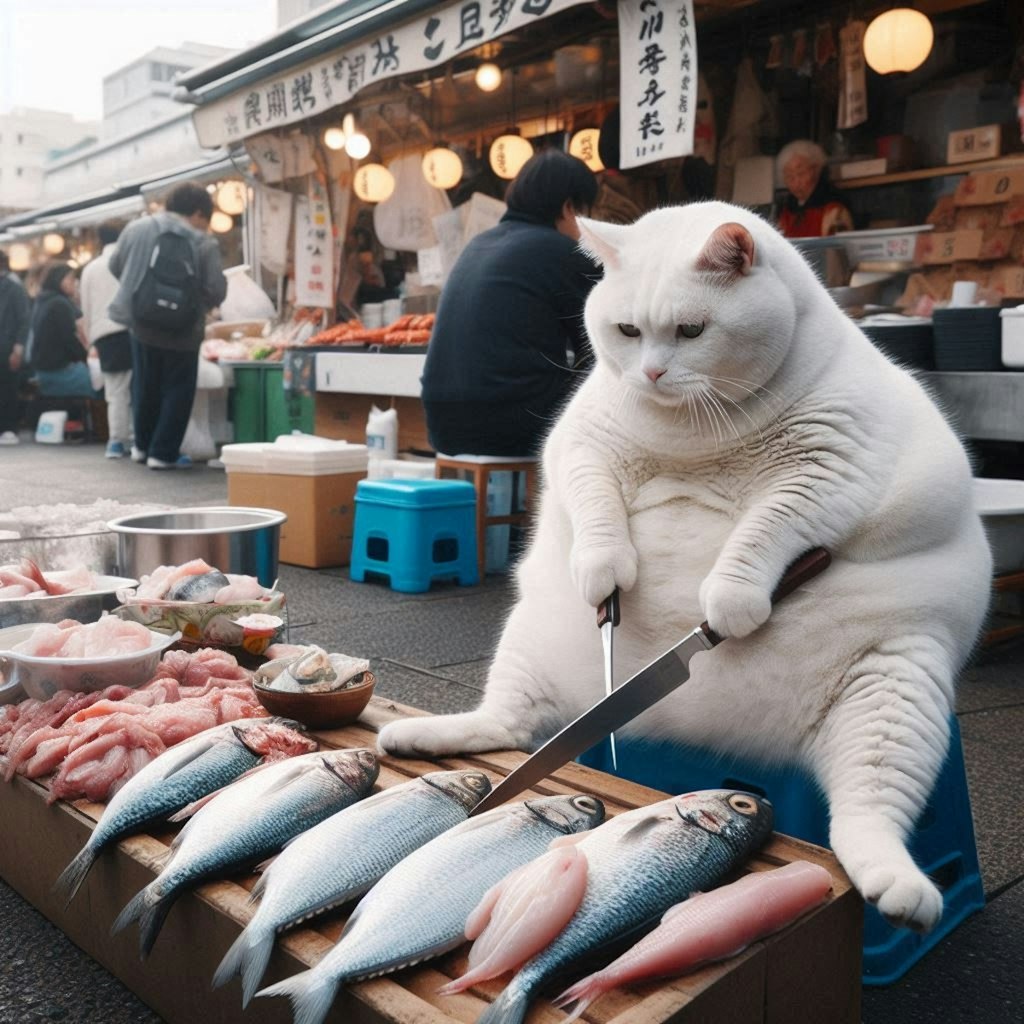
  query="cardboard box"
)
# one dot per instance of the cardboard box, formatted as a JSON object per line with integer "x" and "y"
{"x": 343, "y": 415}
{"x": 320, "y": 510}
{"x": 807, "y": 973}
{"x": 976, "y": 143}
{"x": 1008, "y": 280}
{"x": 948, "y": 246}
{"x": 983, "y": 187}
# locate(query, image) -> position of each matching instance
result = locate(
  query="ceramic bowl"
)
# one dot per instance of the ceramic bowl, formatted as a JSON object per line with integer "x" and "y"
{"x": 319, "y": 710}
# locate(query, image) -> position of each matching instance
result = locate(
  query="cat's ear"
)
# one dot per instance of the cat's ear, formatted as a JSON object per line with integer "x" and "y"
{"x": 729, "y": 251}
{"x": 602, "y": 242}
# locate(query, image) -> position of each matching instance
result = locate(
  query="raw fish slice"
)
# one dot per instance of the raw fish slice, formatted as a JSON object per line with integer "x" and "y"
{"x": 45, "y": 641}
{"x": 86, "y": 772}
{"x": 32, "y": 571}
{"x": 240, "y": 589}
{"x": 14, "y": 590}
{"x": 275, "y": 652}
{"x": 35, "y": 719}
{"x": 12, "y": 576}
{"x": 76, "y": 579}
{"x": 201, "y": 588}
{"x": 522, "y": 914}
{"x": 710, "y": 926}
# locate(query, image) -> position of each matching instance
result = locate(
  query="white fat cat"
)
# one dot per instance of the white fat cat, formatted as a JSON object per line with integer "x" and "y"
{"x": 736, "y": 418}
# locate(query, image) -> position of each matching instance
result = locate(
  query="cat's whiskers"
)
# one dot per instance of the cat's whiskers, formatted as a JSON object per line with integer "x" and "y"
{"x": 754, "y": 392}
{"x": 740, "y": 408}
{"x": 714, "y": 398}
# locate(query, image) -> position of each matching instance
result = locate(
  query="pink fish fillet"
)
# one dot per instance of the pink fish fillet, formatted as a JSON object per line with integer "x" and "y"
{"x": 241, "y": 588}
{"x": 519, "y": 916}
{"x": 710, "y": 926}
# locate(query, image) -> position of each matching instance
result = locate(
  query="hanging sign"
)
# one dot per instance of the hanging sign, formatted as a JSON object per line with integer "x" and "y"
{"x": 657, "y": 80}
{"x": 275, "y": 218}
{"x": 429, "y": 41}
{"x": 853, "y": 91}
{"x": 314, "y": 250}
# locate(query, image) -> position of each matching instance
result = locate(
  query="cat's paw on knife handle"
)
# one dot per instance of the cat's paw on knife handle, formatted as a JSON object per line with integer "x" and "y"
{"x": 733, "y": 608}
{"x": 597, "y": 571}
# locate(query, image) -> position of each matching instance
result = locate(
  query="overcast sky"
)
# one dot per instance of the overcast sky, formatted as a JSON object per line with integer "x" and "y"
{"x": 55, "y": 53}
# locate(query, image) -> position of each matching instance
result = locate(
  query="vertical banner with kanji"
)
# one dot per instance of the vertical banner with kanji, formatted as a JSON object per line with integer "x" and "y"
{"x": 658, "y": 80}
{"x": 853, "y": 91}
{"x": 314, "y": 250}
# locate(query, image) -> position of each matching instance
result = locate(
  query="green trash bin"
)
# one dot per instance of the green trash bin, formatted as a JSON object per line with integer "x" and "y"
{"x": 248, "y": 404}
{"x": 284, "y": 411}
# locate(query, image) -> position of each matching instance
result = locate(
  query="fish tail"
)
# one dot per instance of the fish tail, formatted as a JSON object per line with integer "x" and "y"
{"x": 311, "y": 995}
{"x": 248, "y": 957}
{"x": 150, "y": 908}
{"x": 72, "y": 877}
{"x": 583, "y": 993}
{"x": 509, "y": 1008}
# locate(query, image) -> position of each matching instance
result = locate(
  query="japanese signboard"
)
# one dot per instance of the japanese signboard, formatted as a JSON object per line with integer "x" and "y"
{"x": 429, "y": 41}
{"x": 657, "y": 80}
{"x": 853, "y": 92}
{"x": 314, "y": 250}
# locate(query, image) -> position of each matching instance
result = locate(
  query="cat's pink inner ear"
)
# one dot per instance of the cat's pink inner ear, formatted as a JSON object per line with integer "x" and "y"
{"x": 729, "y": 250}
{"x": 596, "y": 240}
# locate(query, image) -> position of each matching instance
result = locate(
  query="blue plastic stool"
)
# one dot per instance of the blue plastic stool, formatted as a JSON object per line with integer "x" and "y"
{"x": 414, "y": 532}
{"x": 942, "y": 845}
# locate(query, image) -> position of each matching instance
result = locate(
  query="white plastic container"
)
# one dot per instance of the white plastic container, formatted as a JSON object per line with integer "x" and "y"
{"x": 382, "y": 433}
{"x": 372, "y": 314}
{"x": 50, "y": 428}
{"x": 1013, "y": 336}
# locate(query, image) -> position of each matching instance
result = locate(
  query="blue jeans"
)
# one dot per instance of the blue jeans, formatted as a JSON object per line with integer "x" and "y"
{"x": 72, "y": 379}
{"x": 163, "y": 389}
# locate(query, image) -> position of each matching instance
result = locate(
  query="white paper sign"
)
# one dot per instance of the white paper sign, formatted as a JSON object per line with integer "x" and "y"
{"x": 275, "y": 220}
{"x": 853, "y": 92}
{"x": 314, "y": 251}
{"x": 430, "y": 267}
{"x": 267, "y": 151}
{"x": 431, "y": 39}
{"x": 657, "y": 80}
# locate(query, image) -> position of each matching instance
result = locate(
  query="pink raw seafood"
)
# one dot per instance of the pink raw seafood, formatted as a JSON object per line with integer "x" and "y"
{"x": 107, "y": 638}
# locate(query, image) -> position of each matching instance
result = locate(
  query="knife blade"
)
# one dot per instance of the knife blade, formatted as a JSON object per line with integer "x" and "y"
{"x": 642, "y": 690}
{"x": 607, "y": 619}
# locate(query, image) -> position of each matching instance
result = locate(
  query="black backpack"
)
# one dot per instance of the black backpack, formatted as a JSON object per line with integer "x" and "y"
{"x": 168, "y": 297}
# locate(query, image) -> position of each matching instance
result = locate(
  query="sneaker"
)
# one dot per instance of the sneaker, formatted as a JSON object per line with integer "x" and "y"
{"x": 138, "y": 455}
{"x": 9, "y": 437}
{"x": 183, "y": 462}
{"x": 115, "y": 450}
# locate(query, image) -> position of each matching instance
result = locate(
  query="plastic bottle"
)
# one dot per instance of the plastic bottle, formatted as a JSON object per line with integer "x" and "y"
{"x": 382, "y": 433}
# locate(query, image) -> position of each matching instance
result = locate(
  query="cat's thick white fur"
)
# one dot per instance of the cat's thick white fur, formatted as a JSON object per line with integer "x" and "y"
{"x": 690, "y": 472}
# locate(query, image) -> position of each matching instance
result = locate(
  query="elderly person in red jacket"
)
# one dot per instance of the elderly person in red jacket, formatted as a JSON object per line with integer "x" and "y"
{"x": 812, "y": 208}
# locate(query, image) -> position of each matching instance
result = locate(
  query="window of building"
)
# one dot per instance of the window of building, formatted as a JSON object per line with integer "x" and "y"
{"x": 21, "y": 138}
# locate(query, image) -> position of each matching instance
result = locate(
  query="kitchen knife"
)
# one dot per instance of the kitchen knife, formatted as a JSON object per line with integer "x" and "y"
{"x": 635, "y": 695}
{"x": 607, "y": 619}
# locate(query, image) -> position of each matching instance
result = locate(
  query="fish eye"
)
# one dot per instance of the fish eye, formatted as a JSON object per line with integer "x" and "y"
{"x": 629, "y": 330}
{"x": 690, "y": 330}
{"x": 586, "y": 803}
{"x": 743, "y": 804}
{"x": 475, "y": 781}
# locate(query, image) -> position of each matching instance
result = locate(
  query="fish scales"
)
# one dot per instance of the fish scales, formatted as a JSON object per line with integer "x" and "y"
{"x": 310, "y": 876}
{"x": 638, "y": 865}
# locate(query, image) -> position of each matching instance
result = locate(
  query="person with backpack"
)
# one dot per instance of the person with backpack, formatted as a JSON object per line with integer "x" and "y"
{"x": 170, "y": 276}
{"x": 15, "y": 317}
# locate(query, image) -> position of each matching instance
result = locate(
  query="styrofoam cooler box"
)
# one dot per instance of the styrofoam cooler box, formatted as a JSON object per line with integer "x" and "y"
{"x": 247, "y": 457}
{"x": 410, "y": 468}
{"x": 296, "y": 455}
{"x": 1013, "y": 336}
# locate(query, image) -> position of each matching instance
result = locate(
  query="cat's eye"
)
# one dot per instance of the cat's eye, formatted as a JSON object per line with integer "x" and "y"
{"x": 630, "y": 330}
{"x": 690, "y": 330}
{"x": 743, "y": 804}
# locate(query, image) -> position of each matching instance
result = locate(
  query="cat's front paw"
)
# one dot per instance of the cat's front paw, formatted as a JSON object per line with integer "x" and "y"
{"x": 906, "y": 899}
{"x": 596, "y": 572}
{"x": 437, "y": 736}
{"x": 733, "y": 608}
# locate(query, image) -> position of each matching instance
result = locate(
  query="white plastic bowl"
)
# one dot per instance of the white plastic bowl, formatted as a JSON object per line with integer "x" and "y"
{"x": 31, "y": 676}
{"x": 1001, "y": 505}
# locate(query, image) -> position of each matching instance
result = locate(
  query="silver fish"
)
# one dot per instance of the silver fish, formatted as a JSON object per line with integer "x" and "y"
{"x": 186, "y": 772}
{"x": 200, "y": 587}
{"x": 638, "y": 865}
{"x": 418, "y": 910}
{"x": 309, "y": 877}
{"x": 248, "y": 822}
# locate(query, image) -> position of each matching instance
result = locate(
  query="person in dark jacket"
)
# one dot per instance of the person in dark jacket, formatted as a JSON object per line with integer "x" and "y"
{"x": 498, "y": 368}
{"x": 166, "y": 363}
{"x": 15, "y": 319}
{"x": 58, "y": 354}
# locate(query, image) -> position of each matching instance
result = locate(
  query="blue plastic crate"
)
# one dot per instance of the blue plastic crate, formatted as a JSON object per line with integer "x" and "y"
{"x": 943, "y": 843}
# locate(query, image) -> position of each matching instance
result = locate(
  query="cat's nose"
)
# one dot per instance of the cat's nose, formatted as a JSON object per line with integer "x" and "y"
{"x": 654, "y": 375}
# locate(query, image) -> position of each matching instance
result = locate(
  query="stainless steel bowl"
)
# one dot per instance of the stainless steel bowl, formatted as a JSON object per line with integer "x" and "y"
{"x": 235, "y": 540}
{"x": 83, "y": 607}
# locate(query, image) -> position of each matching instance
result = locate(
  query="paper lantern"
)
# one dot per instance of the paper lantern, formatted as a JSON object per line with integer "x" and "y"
{"x": 373, "y": 183}
{"x": 19, "y": 256}
{"x": 231, "y": 197}
{"x": 583, "y": 146}
{"x": 488, "y": 77}
{"x": 348, "y": 125}
{"x": 442, "y": 168}
{"x": 335, "y": 138}
{"x": 508, "y": 154}
{"x": 357, "y": 146}
{"x": 221, "y": 222}
{"x": 898, "y": 40}
{"x": 53, "y": 245}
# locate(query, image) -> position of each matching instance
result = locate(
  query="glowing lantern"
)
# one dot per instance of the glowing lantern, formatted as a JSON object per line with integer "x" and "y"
{"x": 898, "y": 40}
{"x": 53, "y": 245}
{"x": 221, "y": 222}
{"x": 334, "y": 138}
{"x": 508, "y": 154}
{"x": 348, "y": 125}
{"x": 488, "y": 77}
{"x": 374, "y": 183}
{"x": 19, "y": 256}
{"x": 442, "y": 168}
{"x": 231, "y": 197}
{"x": 583, "y": 146}
{"x": 357, "y": 146}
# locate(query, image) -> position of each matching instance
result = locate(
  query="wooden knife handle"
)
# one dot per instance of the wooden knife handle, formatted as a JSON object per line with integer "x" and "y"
{"x": 805, "y": 568}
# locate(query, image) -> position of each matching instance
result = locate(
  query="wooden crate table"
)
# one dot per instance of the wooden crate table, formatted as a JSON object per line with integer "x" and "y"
{"x": 808, "y": 973}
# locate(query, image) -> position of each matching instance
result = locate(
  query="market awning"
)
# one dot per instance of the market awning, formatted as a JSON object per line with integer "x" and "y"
{"x": 211, "y": 170}
{"x": 374, "y": 42}
{"x": 118, "y": 209}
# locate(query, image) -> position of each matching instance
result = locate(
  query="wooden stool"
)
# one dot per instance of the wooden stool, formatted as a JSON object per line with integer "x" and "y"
{"x": 480, "y": 468}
